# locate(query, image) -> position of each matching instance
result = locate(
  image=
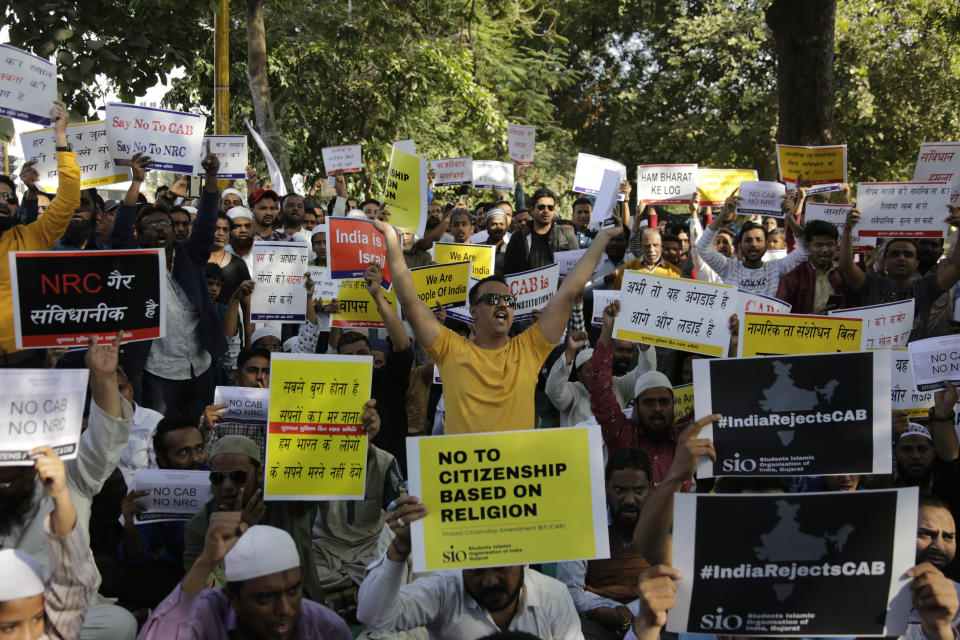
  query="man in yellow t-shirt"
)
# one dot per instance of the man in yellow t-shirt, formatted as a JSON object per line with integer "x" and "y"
{"x": 488, "y": 383}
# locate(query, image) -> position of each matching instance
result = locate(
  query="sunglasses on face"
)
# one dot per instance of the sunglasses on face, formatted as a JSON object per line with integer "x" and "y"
{"x": 547, "y": 207}
{"x": 156, "y": 224}
{"x": 493, "y": 299}
{"x": 237, "y": 476}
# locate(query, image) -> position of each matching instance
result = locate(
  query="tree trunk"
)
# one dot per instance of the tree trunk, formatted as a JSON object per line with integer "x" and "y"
{"x": 260, "y": 89}
{"x": 804, "y": 31}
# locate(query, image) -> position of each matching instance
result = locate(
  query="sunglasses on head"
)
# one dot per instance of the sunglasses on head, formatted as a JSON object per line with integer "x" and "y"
{"x": 547, "y": 207}
{"x": 493, "y": 299}
{"x": 237, "y": 476}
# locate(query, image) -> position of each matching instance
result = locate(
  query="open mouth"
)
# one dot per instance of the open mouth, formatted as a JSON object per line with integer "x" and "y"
{"x": 501, "y": 314}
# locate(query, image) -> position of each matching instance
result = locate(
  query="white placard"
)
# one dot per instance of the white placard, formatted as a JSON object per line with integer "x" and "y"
{"x": 174, "y": 494}
{"x": 493, "y": 174}
{"x": 232, "y": 152}
{"x": 89, "y": 142}
{"x": 904, "y": 395}
{"x": 533, "y": 289}
{"x": 589, "y": 174}
{"x": 407, "y": 146}
{"x": 601, "y": 300}
{"x": 761, "y": 198}
{"x": 41, "y": 407}
{"x": 172, "y": 139}
{"x": 325, "y": 287}
{"x": 272, "y": 167}
{"x": 566, "y": 259}
{"x": 940, "y": 162}
{"x": 245, "y": 404}
{"x": 666, "y": 183}
{"x": 836, "y": 214}
{"x": 903, "y": 209}
{"x": 606, "y": 198}
{"x": 884, "y": 325}
{"x": 28, "y": 85}
{"x": 520, "y": 140}
{"x": 677, "y": 313}
{"x": 278, "y": 271}
{"x": 449, "y": 172}
{"x": 346, "y": 158}
{"x": 935, "y": 360}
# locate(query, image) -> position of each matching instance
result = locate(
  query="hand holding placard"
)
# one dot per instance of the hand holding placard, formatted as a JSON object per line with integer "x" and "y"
{"x": 690, "y": 448}
{"x": 658, "y": 589}
{"x": 400, "y": 513}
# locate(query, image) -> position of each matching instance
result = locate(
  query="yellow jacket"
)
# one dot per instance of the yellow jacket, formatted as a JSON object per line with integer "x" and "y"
{"x": 40, "y": 235}
{"x": 662, "y": 269}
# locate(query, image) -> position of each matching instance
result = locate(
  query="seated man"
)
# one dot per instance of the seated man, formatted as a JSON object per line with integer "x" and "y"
{"x": 601, "y": 589}
{"x": 454, "y": 605}
{"x": 263, "y": 597}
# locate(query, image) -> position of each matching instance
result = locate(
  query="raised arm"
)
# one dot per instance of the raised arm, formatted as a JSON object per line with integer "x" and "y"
{"x": 949, "y": 273}
{"x": 854, "y": 275}
{"x": 425, "y": 325}
{"x": 395, "y": 329}
{"x": 43, "y": 233}
{"x": 200, "y": 242}
{"x": 554, "y": 317}
{"x": 122, "y": 236}
{"x": 941, "y": 424}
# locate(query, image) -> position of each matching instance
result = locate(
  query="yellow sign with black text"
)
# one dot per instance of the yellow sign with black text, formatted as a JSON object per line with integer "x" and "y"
{"x": 767, "y": 334}
{"x": 483, "y": 256}
{"x": 443, "y": 285}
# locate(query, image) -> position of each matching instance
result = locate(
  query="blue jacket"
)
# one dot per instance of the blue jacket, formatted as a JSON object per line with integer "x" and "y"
{"x": 189, "y": 262}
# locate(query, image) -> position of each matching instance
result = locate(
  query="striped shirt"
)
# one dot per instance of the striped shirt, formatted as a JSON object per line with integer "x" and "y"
{"x": 73, "y": 579}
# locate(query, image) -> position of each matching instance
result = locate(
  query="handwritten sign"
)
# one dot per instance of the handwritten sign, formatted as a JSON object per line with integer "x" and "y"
{"x": 89, "y": 142}
{"x": 61, "y": 298}
{"x": 174, "y": 494}
{"x": 904, "y": 395}
{"x": 346, "y": 158}
{"x": 824, "y": 166}
{"x": 520, "y": 140}
{"x": 589, "y": 173}
{"x": 278, "y": 271}
{"x": 773, "y": 333}
{"x": 28, "y": 85}
{"x": 533, "y": 289}
{"x": 903, "y": 209}
{"x": 357, "y": 308}
{"x": 172, "y": 139}
{"x": 836, "y": 214}
{"x": 492, "y": 174}
{"x": 566, "y": 259}
{"x": 353, "y": 245}
{"x": 715, "y": 185}
{"x": 41, "y": 407}
{"x": 482, "y": 256}
{"x": 761, "y": 198}
{"x": 884, "y": 325}
{"x": 939, "y": 162}
{"x": 540, "y": 490}
{"x": 449, "y": 172}
{"x": 820, "y": 414}
{"x": 316, "y": 447}
{"x": 232, "y": 153}
{"x": 443, "y": 285}
{"x": 935, "y": 360}
{"x": 326, "y": 288}
{"x": 674, "y": 312}
{"x": 406, "y": 192}
{"x": 666, "y": 183}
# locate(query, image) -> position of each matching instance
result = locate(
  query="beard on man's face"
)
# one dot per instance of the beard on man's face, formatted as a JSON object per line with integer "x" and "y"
{"x": 241, "y": 245}
{"x": 15, "y": 505}
{"x": 78, "y": 231}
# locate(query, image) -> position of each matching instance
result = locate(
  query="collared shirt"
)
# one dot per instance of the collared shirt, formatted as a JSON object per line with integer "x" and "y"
{"x": 139, "y": 454}
{"x": 72, "y": 582}
{"x": 179, "y": 355}
{"x": 273, "y": 236}
{"x": 440, "y": 603}
{"x": 208, "y": 616}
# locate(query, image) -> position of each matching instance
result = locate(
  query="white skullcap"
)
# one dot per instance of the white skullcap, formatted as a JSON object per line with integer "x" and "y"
{"x": 651, "y": 380}
{"x": 320, "y": 228}
{"x": 263, "y": 332}
{"x": 260, "y": 551}
{"x": 22, "y": 575}
{"x": 914, "y": 429}
{"x": 191, "y": 210}
{"x": 357, "y": 215}
{"x": 228, "y": 192}
{"x": 582, "y": 358}
{"x": 239, "y": 212}
{"x": 497, "y": 212}
{"x": 290, "y": 344}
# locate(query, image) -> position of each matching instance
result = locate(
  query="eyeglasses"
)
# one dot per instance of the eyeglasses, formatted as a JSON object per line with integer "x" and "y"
{"x": 493, "y": 299}
{"x": 547, "y": 207}
{"x": 156, "y": 224}
{"x": 237, "y": 476}
{"x": 9, "y": 196}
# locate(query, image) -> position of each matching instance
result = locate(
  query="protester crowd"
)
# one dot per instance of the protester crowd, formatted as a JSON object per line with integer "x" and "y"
{"x": 75, "y": 563}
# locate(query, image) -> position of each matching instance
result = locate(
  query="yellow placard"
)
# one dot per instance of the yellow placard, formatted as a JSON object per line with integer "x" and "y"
{"x": 443, "y": 285}
{"x": 508, "y": 498}
{"x": 766, "y": 334}
{"x": 820, "y": 165}
{"x": 715, "y": 185}
{"x": 357, "y": 308}
{"x": 682, "y": 401}
{"x": 483, "y": 256}
{"x": 406, "y": 192}
{"x": 316, "y": 449}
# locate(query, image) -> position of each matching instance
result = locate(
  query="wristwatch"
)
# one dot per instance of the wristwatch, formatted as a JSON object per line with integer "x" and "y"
{"x": 66, "y": 148}
{"x": 934, "y": 418}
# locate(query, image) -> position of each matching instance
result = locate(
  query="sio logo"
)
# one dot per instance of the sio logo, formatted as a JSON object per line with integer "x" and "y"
{"x": 720, "y": 622}
{"x": 454, "y": 556}
{"x": 745, "y": 465}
